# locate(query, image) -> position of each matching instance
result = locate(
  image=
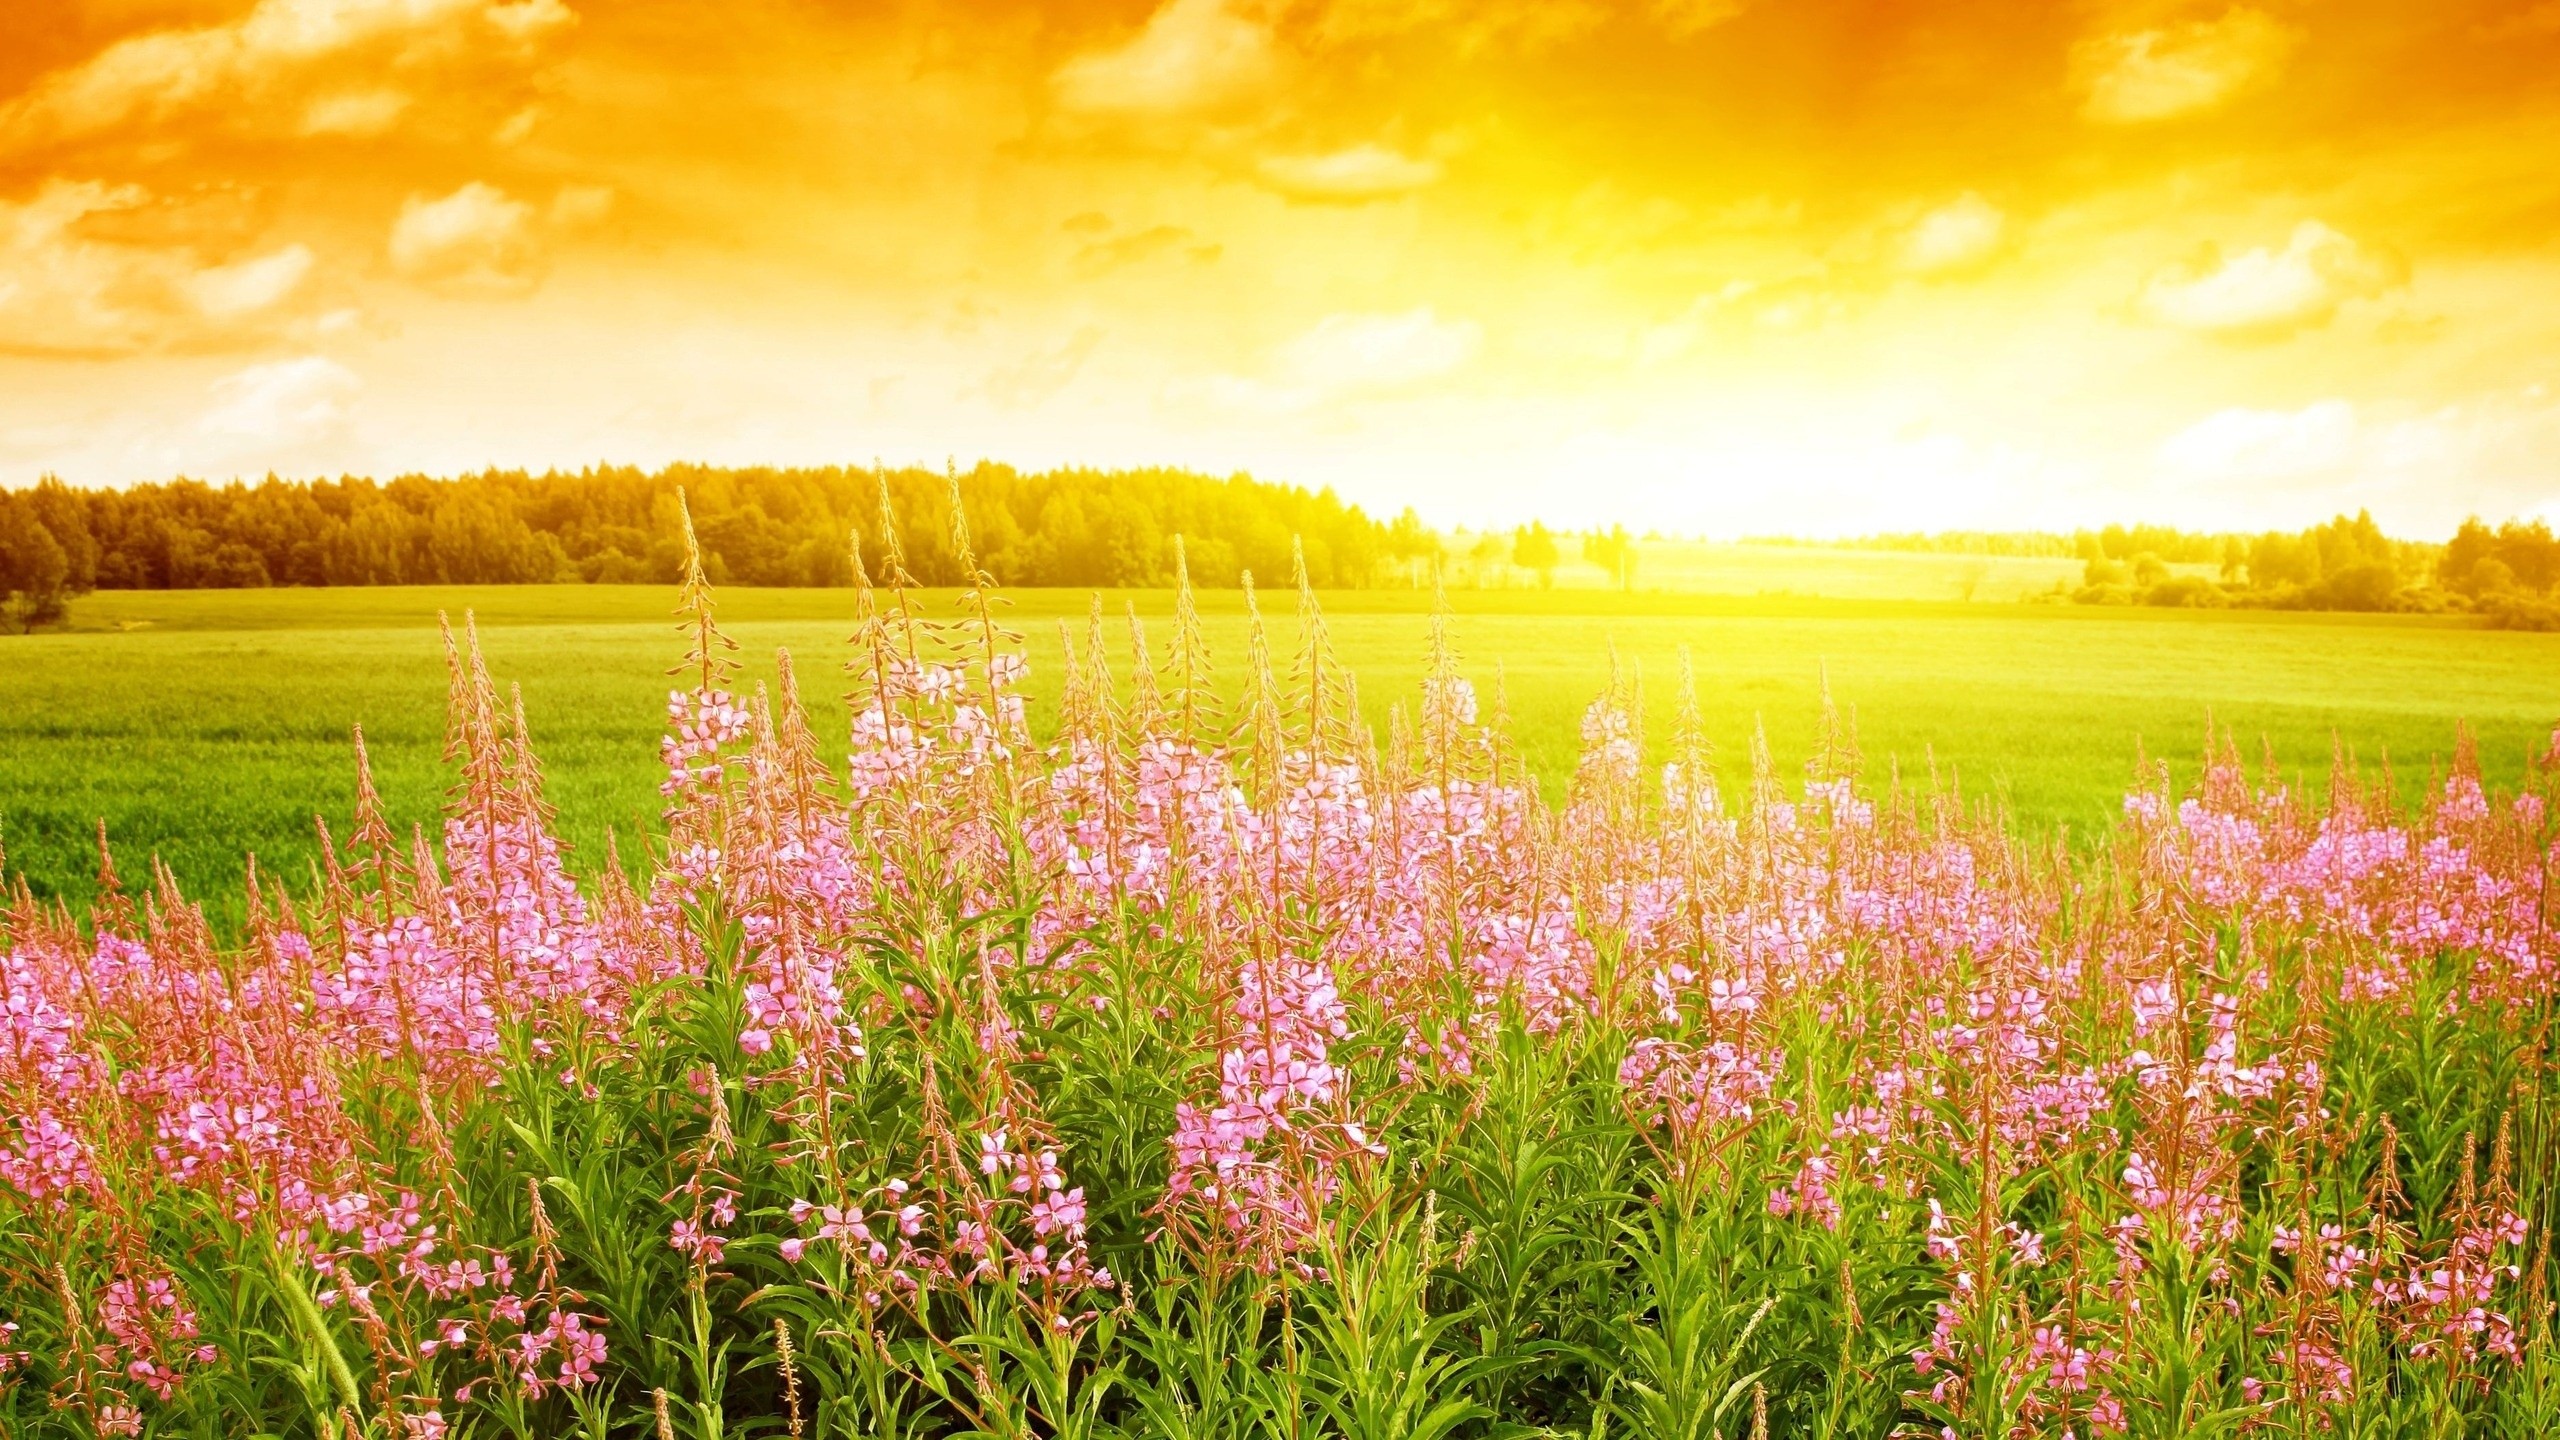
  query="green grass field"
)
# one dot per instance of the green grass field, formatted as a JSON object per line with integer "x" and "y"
{"x": 204, "y": 725}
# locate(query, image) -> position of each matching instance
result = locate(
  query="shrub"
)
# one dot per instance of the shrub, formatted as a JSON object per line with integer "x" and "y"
{"x": 2368, "y": 585}
{"x": 2516, "y": 610}
{"x": 2192, "y": 592}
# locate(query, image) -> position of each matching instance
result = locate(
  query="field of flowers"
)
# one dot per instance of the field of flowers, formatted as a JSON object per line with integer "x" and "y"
{"x": 1220, "y": 1070}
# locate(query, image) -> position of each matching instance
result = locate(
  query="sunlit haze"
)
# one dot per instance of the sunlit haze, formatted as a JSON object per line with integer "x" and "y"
{"x": 1722, "y": 266}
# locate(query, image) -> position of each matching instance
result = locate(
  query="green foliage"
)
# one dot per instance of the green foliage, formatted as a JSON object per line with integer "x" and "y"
{"x": 1533, "y": 548}
{"x": 38, "y": 576}
{"x": 2516, "y": 557}
{"x": 2346, "y": 564}
{"x": 616, "y": 525}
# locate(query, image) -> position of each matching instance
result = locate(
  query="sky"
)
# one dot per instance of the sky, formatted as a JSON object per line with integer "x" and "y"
{"x": 1706, "y": 266}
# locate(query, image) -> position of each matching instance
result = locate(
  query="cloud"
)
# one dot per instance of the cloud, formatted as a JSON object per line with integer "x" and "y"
{"x": 1348, "y": 177}
{"x": 281, "y": 404}
{"x": 76, "y": 284}
{"x": 1688, "y": 17}
{"x": 476, "y": 241}
{"x": 356, "y": 113}
{"x": 252, "y": 71}
{"x": 1470, "y": 26}
{"x": 1959, "y": 236}
{"x": 248, "y": 287}
{"x": 2240, "y": 444}
{"x": 1377, "y": 352}
{"x": 1191, "y": 56}
{"x": 528, "y": 21}
{"x": 1344, "y": 356}
{"x": 1031, "y": 381}
{"x": 2145, "y": 75}
{"x": 1808, "y": 300}
{"x": 2269, "y": 294}
{"x": 1101, "y": 257}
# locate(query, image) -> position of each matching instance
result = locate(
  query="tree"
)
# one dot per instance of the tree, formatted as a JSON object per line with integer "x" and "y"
{"x": 2530, "y": 552}
{"x": 1533, "y": 548}
{"x": 2099, "y": 570}
{"x": 2363, "y": 585}
{"x": 1612, "y": 550}
{"x": 2279, "y": 559}
{"x": 1409, "y": 542}
{"x": 35, "y": 571}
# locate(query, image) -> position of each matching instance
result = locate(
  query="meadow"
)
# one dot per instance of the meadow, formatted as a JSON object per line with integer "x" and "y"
{"x": 203, "y": 726}
{"x": 1192, "y": 1066}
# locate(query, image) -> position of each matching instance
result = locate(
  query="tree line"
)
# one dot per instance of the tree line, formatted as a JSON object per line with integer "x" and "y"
{"x": 1074, "y": 527}
{"x": 2507, "y": 573}
{"x": 2345, "y": 564}
{"x": 757, "y": 526}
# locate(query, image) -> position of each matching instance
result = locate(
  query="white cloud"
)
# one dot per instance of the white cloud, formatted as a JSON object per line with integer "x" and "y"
{"x": 476, "y": 241}
{"x": 1360, "y": 173}
{"x": 2242, "y": 445}
{"x": 2149, "y": 75}
{"x": 1958, "y": 236}
{"x": 1191, "y": 56}
{"x": 526, "y": 21}
{"x": 68, "y": 291}
{"x": 282, "y": 404}
{"x": 2267, "y": 294}
{"x": 247, "y": 70}
{"x": 249, "y": 287}
{"x": 1343, "y": 357}
{"x": 1664, "y": 341}
{"x": 354, "y": 112}
{"x": 1031, "y": 381}
{"x": 1372, "y": 352}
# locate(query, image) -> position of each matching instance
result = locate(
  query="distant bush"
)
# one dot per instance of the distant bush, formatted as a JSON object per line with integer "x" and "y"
{"x": 2106, "y": 594}
{"x": 2366, "y": 585}
{"x": 2187, "y": 592}
{"x": 2514, "y": 610}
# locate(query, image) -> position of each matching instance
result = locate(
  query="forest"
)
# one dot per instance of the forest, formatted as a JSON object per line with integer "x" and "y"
{"x": 611, "y": 524}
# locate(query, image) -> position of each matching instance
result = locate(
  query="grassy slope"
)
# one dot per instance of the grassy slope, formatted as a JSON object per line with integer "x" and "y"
{"x": 202, "y": 725}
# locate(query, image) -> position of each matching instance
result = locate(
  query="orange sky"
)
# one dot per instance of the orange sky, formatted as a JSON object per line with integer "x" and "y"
{"x": 1724, "y": 265}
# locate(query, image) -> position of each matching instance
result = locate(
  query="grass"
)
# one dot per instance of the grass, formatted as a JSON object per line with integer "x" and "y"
{"x": 201, "y": 726}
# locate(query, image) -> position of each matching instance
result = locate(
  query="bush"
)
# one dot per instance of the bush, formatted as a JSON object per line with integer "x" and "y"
{"x": 2192, "y": 592}
{"x": 2366, "y": 586}
{"x": 2515, "y": 610}
{"x": 2106, "y": 595}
